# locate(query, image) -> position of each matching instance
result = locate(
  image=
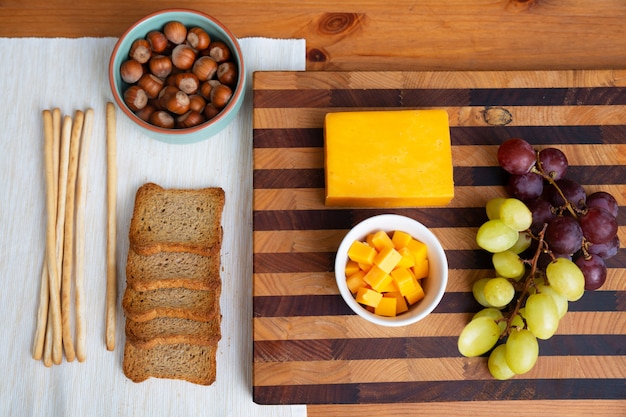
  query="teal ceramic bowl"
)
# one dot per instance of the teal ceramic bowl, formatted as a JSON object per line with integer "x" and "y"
{"x": 189, "y": 18}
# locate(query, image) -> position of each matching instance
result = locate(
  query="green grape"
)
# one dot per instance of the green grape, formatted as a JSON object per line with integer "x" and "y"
{"x": 523, "y": 242}
{"x": 478, "y": 336}
{"x": 515, "y": 214}
{"x": 508, "y": 264}
{"x": 497, "y": 365}
{"x": 566, "y": 278}
{"x": 498, "y": 292}
{"x": 541, "y": 315}
{"x": 522, "y": 351}
{"x": 493, "y": 313}
{"x": 479, "y": 293}
{"x": 493, "y": 207}
{"x": 518, "y": 320}
{"x": 559, "y": 299}
{"x": 495, "y": 236}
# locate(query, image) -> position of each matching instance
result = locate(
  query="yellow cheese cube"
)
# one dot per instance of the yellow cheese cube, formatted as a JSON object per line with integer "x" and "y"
{"x": 404, "y": 280}
{"x": 377, "y": 278}
{"x": 401, "y": 305}
{"x": 356, "y": 281}
{"x": 400, "y": 239}
{"x": 381, "y": 240}
{"x": 368, "y": 297}
{"x": 418, "y": 249}
{"x": 386, "y": 307}
{"x": 420, "y": 270}
{"x": 407, "y": 260}
{"x": 388, "y": 286}
{"x": 416, "y": 295}
{"x": 361, "y": 252}
{"x": 387, "y": 259}
{"x": 352, "y": 267}
{"x": 399, "y": 158}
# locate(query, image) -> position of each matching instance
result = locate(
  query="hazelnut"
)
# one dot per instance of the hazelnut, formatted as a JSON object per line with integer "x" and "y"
{"x": 205, "y": 68}
{"x": 157, "y": 40}
{"x": 198, "y": 38}
{"x": 140, "y": 51}
{"x": 183, "y": 57}
{"x": 206, "y": 87}
{"x": 210, "y": 111}
{"x": 219, "y": 51}
{"x": 175, "y": 32}
{"x": 187, "y": 82}
{"x": 135, "y": 98}
{"x": 177, "y": 103}
{"x": 189, "y": 119}
{"x": 151, "y": 84}
{"x": 160, "y": 65}
{"x": 220, "y": 95}
{"x": 145, "y": 113}
{"x": 197, "y": 103}
{"x": 227, "y": 73}
{"x": 162, "y": 118}
{"x": 131, "y": 71}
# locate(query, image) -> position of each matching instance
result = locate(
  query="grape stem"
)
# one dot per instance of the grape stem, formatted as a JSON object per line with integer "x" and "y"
{"x": 528, "y": 282}
{"x": 568, "y": 204}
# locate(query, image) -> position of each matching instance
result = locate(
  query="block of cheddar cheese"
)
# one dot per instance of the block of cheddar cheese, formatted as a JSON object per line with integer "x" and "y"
{"x": 397, "y": 158}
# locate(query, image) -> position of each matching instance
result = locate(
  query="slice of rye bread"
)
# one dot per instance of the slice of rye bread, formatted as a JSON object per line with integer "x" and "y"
{"x": 176, "y": 220}
{"x": 172, "y": 269}
{"x": 193, "y": 363}
{"x": 201, "y": 305}
{"x": 169, "y": 330}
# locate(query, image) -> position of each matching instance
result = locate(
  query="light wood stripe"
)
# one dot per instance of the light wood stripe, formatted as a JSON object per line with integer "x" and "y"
{"x": 462, "y": 156}
{"x": 291, "y": 118}
{"x": 440, "y": 79}
{"x": 429, "y": 369}
{"x": 313, "y": 198}
{"x": 534, "y": 408}
{"x": 323, "y": 283}
{"x": 346, "y": 327}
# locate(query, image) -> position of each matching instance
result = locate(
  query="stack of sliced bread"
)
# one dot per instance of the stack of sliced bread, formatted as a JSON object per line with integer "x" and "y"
{"x": 173, "y": 285}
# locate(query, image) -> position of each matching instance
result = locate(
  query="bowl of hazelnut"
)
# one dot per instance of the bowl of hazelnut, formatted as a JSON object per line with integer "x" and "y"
{"x": 179, "y": 75}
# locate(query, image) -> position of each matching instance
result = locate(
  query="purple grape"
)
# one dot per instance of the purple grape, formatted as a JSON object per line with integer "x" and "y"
{"x": 603, "y": 200}
{"x": 564, "y": 235}
{"x": 594, "y": 271}
{"x": 573, "y": 191}
{"x": 526, "y": 186}
{"x": 553, "y": 163}
{"x": 598, "y": 225}
{"x": 542, "y": 212}
{"x": 516, "y": 156}
{"x": 605, "y": 250}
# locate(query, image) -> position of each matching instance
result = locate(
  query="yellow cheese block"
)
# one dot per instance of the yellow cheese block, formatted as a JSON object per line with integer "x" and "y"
{"x": 399, "y": 158}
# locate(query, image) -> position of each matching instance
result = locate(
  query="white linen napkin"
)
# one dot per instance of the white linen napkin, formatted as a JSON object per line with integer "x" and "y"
{"x": 71, "y": 74}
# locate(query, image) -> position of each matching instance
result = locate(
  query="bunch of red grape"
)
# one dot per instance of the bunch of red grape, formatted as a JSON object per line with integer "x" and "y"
{"x": 580, "y": 227}
{"x": 568, "y": 236}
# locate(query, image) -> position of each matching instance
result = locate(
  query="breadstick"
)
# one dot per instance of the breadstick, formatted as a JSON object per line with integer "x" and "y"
{"x": 111, "y": 292}
{"x": 81, "y": 196}
{"x": 55, "y": 302}
{"x": 68, "y": 242}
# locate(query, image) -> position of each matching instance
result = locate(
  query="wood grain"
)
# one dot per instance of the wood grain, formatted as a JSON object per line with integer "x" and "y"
{"x": 310, "y": 348}
{"x": 357, "y": 35}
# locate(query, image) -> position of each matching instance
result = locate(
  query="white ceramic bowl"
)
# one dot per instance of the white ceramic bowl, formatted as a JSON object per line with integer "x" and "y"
{"x": 189, "y": 18}
{"x": 434, "y": 285}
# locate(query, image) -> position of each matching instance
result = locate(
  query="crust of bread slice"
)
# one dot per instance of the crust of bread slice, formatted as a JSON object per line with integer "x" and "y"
{"x": 176, "y": 220}
{"x": 188, "y": 362}
{"x": 172, "y": 269}
{"x": 201, "y": 305}
{"x": 170, "y": 330}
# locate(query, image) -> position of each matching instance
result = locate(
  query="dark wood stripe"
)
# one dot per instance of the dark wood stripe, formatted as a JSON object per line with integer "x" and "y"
{"x": 462, "y": 135}
{"x": 440, "y": 97}
{"x": 419, "y": 347}
{"x": 463, "y": 176}
{"x": 452, "y": 302}
{"x": 439, "y": 391}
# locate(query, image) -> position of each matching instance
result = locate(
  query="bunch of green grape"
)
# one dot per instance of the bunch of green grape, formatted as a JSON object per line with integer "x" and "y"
{"x": 549, "y": 241}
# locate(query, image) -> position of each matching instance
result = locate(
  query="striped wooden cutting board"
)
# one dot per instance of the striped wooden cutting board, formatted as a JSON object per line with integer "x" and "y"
{"x": 310, "y": 348}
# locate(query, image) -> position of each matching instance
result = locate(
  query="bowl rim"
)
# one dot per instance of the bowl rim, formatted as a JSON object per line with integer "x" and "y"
{"x": 400, "y": 222}
{"x": 233, "y": 104}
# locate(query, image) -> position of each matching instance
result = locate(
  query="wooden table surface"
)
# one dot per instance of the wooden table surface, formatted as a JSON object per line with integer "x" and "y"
{"x": 376, "y": 35}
